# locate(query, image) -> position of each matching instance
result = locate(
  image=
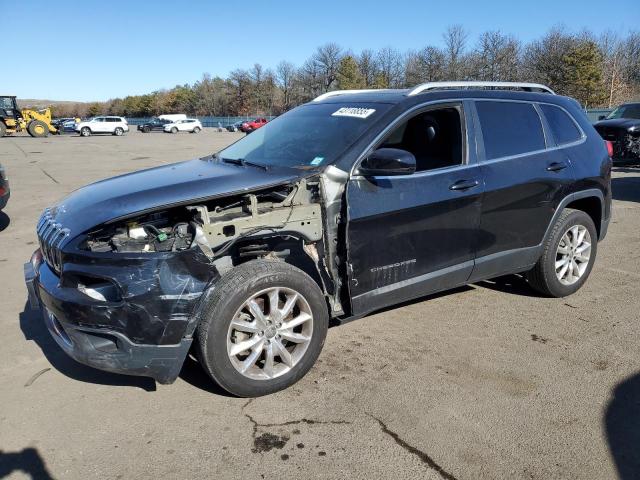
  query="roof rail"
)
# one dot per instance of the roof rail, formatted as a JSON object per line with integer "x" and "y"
{"x": 346, "y": 92}
{"x": 530, "y": 87}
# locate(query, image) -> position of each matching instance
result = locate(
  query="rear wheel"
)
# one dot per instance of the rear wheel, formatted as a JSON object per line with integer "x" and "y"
{"x": 568, "y": 255}
{"x": 262, "y": 328}
{"x": 3, "y": 129}
{"x": 37, "y": 128}
{"x": 85, "y": 131}
{"x": 118, "y": 131}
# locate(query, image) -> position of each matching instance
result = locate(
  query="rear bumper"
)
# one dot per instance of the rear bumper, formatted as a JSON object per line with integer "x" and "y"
{"x": 100, "y": 347}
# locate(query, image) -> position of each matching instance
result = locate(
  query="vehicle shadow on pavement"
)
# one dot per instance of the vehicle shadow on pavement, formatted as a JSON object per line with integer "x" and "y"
{"x": 4, "y": 221}
{"x": 622, "y": 425}
{"x": 27, "y": 461}
{"x": 33, "y": 328}
{"x": 626, "y": 188}
{"x": 193, "y": 373}
{"x": 513, "y": 284}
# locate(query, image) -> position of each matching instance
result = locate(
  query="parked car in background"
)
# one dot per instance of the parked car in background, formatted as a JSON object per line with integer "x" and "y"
{"x": 250, "y": 126}
{"x": 172, "y": 116}
{"x": 68, "y": 126}
{"x": 58, "y": 122}
{"x": 154, "y": 124}
{"x": 4, "y": 188}
{"x": 247, "y": 254}
{"x": 107, "y": 124}
{"x": 622, "y": 128}
{"x": 234, "y": 127}
{"x": 190, "y": 125}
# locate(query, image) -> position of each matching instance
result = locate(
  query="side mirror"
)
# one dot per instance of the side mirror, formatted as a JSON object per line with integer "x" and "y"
{"x": 387, "y": 162}
{"x": 601, "y": 117}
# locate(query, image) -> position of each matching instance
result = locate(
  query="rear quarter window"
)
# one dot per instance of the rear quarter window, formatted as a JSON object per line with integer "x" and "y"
{"x": 509, "y": 128}
{"x": 562, "y": 127}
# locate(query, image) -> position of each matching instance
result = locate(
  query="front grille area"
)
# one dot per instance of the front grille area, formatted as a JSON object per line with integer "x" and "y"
{"x": 51, "y": 236}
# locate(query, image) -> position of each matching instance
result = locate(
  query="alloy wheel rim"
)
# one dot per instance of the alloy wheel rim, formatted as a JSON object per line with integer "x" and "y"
{"x": 270, "y": 333}
{"x": 573, "y": 255}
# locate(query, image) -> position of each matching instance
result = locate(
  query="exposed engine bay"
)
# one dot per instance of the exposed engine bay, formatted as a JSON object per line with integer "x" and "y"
{"x": 297, "y": 223}
{"x": 214, "y": 226}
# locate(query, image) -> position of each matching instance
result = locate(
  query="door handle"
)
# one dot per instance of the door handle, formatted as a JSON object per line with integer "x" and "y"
{"x": 556, "y": 166}
{"x": 464, "y": 185}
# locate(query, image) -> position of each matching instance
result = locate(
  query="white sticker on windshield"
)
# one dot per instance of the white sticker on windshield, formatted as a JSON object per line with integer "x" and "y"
{"x": 353, "y": 112}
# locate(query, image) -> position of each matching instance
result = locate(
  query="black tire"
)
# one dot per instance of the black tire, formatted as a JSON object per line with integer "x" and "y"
{"x": 146, "y": 129}
{"x": 230, "y": 293}
{"x": 37, "y": 128}
{"x": 196, "y": 130}
{"x": 3, "y": 129}
{"x": 542, "y": 277}
{"x": 85, "y": 132}
{"x": 174, "y": 130}
{"x": 118, "y": 132}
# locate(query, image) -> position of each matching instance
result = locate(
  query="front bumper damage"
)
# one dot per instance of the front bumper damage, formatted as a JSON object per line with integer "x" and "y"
{"x": 145, "y": 329}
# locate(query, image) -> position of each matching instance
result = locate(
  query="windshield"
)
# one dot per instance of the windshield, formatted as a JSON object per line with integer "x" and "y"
{"x": 308, "y": 136}
{"x": 6, "y": 103}
{"x": 625, "y": 111}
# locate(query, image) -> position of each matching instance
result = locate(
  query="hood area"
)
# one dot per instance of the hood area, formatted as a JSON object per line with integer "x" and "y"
{"x": 165, "y": 186}
{"x": 621, "y": 123}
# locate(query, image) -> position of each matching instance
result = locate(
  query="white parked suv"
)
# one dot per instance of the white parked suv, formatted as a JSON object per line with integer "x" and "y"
{"x": 113, "y": 125}
{"x": 186, "y": 125}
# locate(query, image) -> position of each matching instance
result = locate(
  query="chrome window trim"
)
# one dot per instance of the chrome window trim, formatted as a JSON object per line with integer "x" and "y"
{"x": 582, "y": 134}
{"x": 580, "y": 141}
{"x": 367, "y": 151}
{"x": 481, "y": 161}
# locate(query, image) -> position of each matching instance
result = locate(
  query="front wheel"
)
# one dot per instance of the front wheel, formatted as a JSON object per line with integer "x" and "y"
{"x": 196, "y": 130}
{"x": 568, "y": 255}
{"x": 85, "y": 131}
{"x": 174, "y": 130}
{"x": 118, "y": 132}
{"x": 37, "y": 128}
{"x": 262, "y": 329}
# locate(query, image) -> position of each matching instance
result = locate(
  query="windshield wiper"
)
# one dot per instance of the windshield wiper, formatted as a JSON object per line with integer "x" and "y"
{"x": 243, "y": 162}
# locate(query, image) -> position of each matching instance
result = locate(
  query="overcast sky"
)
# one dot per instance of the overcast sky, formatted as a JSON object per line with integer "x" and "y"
{"x": 96, "y": 50}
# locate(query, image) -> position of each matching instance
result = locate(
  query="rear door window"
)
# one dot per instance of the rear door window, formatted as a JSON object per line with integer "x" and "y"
{"x": 562, "y": 127}
{"x": 509, "y": 128}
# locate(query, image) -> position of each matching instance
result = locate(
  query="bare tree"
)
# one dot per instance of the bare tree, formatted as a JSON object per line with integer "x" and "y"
{"x": 496, "y": 57}
{"x": 327, "y": 61}
{"x": 390, "y": 64}
{"x": 285, "y": 74}
{"x": 426, "y": 65}
{"x": 455, "y": 42}
{"x": 368, "y": 67}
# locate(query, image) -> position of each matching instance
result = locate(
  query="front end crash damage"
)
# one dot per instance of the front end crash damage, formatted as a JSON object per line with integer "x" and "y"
{"x": 125, "y": 296}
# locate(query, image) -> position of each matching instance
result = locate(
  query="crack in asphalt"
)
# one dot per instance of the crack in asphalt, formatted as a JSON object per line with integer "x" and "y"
{"x": 268, "y": 441}
{"x": 425, "y": 458}
{"x": 45, "y": 172}
{"x": 19, "y": 148}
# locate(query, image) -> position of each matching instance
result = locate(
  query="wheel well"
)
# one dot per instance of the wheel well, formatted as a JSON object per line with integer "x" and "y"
{"x": 592, "y": 206}
{"x": 285, "y": 248}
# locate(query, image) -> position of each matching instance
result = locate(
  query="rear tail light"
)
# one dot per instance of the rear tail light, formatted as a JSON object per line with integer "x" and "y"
{"x": 609, "y": 145}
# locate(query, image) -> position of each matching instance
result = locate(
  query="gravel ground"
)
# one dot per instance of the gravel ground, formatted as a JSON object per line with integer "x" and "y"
{"x": 486, "y": 381}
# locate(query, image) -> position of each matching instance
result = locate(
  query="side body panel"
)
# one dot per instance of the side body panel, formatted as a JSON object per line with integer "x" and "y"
{"x": 411, "y": 235}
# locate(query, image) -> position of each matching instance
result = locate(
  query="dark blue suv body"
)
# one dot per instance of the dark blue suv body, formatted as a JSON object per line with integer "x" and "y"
{"x": 353, "y": 202}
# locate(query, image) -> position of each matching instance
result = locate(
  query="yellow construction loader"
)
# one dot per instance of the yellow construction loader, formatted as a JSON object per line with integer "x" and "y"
{"x": 12, "y": 120}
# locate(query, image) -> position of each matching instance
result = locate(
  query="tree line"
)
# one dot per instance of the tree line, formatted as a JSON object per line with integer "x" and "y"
{"x": 599, "y": 71}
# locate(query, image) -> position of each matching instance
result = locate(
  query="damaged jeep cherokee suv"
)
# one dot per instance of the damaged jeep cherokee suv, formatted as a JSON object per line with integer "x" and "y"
{"x": 353, "y": 202}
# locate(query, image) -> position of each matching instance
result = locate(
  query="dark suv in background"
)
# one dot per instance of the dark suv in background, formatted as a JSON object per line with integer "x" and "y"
{"x": 622, "y": 128}
{"x": 154, "y": 124}
{"x": 351, "y": 203}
